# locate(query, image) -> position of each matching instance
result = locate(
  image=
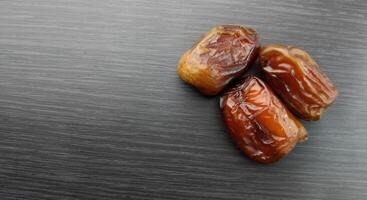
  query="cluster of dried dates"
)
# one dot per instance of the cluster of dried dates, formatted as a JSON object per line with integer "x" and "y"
{"x": 258, "y": 114}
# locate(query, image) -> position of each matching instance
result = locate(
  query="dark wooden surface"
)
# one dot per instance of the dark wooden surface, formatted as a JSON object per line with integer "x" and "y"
{"x": 91, "y": 106}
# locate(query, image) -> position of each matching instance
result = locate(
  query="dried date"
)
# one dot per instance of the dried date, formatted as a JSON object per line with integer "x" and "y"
{"x": 259, "y": 123}
{"x": 298, "y": 80}
{"x": 222, "y": 54}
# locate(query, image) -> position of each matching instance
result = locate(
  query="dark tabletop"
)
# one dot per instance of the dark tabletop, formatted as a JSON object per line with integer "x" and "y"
{"x": 91, "y": 106}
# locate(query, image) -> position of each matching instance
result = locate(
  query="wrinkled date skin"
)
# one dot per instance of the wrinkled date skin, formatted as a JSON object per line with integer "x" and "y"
{"x": 259, "y": 123}
{"x": 222, "y": 54}
{"x": 298, "y": 80}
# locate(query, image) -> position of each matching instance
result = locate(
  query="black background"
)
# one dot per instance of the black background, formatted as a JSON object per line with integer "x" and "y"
{"x": 91, "y": 106}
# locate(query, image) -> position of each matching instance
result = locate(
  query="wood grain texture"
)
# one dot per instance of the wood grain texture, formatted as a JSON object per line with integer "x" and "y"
{"x": 91, "y": 106}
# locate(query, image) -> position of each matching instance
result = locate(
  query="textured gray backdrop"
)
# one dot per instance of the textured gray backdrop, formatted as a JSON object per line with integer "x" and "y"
{"x": 91, "y": 106}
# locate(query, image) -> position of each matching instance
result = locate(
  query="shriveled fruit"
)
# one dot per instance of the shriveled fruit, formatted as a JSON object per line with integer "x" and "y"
{"x": 298, "y": 80}
{"x": 259, "y": 123}
{"x": 222, "y": 54}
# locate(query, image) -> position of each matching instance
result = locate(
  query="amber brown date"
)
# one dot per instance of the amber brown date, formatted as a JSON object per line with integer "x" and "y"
{"x": 259, "y": 123}
{"x": 298, "y": 80}
{"x": 222, "y": 54}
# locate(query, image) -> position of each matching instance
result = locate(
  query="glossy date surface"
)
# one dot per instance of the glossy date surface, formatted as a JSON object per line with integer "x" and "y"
{"x": 298, "y": 80}
{"x": 222, "y": 54}
{"x": 259, "y": 123}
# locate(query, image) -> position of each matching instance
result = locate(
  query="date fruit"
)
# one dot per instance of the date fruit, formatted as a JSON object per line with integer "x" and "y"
{"x": 298, "y": 80}
{"x": 259, "y": 123}
{"x": 222, "y": 54}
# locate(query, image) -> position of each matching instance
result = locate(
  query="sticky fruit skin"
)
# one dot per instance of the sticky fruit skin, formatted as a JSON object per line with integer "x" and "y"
{"x": 222, "y": 54}
{"x": 259, "y": 123}
{"x": 298, "y": 80}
